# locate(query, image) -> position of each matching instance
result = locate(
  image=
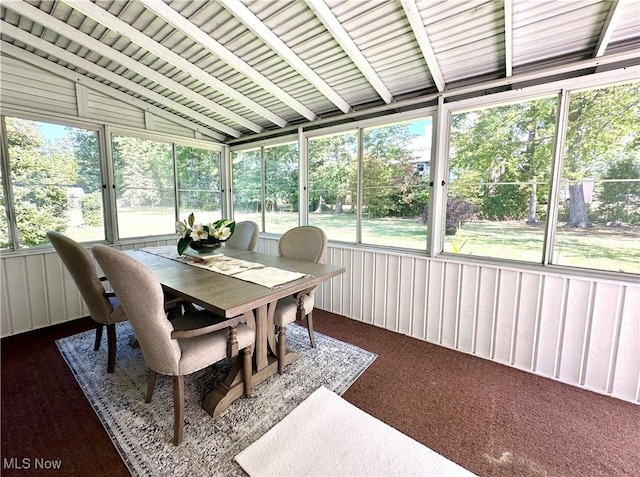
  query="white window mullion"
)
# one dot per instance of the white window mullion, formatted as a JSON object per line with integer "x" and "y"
{"x": 303, "y": 179}
{"x": 263, "y": 188}
{"x": 226, "y": 183}
{"x": 562, "y": 115}
{"x": 438, "y": 180}
{"x": 360, "y": 194}
{"x": 109, "y": 187}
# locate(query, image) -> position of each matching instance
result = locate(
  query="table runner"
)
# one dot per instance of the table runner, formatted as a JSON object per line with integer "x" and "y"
{"x": 270, "y": 277}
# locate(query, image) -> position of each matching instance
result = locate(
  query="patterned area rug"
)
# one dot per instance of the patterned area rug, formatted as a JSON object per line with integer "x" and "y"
{"x": 142, "y": 432}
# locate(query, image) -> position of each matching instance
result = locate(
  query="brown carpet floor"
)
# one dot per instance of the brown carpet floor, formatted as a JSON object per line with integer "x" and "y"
{"x": 491, "y": 419}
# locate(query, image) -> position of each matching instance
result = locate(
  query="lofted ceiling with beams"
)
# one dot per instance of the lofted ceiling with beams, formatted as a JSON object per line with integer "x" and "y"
{"x": 241, "y": 67}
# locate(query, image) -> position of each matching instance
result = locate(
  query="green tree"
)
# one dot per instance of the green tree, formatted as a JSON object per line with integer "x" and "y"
{"x": 87, "y": 157}
{"x": 603, "y": 126}
{"x": 501, "y": 157}
{"x": 41, "y": 171}
{"x": 281, "y": 175}
{"x": 247, "y": 180}
{"x": 143, "y": 171}
{"x": 389, "y": 178}
{"x": 620, "y": 199}
{"x": 332, "y": 171}
{"x": 198, "y": 178}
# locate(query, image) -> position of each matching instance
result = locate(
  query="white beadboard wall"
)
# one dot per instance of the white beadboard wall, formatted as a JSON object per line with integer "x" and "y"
{"x": 584, "y": 332}
{"x": 580, "y": 331}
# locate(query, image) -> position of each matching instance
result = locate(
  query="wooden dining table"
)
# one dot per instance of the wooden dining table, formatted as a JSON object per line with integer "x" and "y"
{"x": 230, "y": 297}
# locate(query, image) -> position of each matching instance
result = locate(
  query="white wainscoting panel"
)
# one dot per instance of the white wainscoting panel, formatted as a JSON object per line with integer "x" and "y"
{"x": 37, "y": 290}
{"x": 581, "y": 331}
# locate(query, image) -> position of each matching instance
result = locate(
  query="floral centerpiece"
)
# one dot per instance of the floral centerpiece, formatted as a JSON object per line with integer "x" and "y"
{"x": 202, "y": 236}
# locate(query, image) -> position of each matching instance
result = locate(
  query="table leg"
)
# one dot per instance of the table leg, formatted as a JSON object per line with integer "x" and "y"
{"x": 226, "y": 392}
{"x": 265, "y": 364}
{"x": 271, "y": 337}
{"x": 262, "y": 330}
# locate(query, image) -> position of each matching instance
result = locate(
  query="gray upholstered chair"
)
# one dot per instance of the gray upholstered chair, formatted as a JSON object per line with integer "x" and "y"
{"x": 302, "y": 243}
{"x": 178, "y": 347}
{"x": 245, "y": 236}
{"x": 104, "y": 307}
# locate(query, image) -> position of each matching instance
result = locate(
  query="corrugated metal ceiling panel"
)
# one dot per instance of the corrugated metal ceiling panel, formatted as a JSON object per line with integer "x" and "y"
{"x": 383, "y": 34}
{"x": 467, "y": 37}
{"x": 297, "y": 26}
{"x": 627, "y": 26}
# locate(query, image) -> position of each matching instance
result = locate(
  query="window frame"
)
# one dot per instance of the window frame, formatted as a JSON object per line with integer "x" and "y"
{"x": 439, "y": 106}
{"x": 261, "y": 146}
{"x": 173, "y": 141}
{"x": 106, "y": 164}
{"x": 510, "y": 99}
{"x": 562, "y": 89}
{"x": 10, "y": 214}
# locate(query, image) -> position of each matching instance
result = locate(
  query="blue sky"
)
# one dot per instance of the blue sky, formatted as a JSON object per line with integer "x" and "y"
{"x": 51, "y": 131}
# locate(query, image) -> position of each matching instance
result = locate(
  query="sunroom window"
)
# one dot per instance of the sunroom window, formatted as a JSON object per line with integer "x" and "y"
{"x": 199, "y": 186}
{"x": 599, "y": 207}
{"x": 55, "y": 180}
{"x": 395, "y": 184}
{"x": 333, "y": 184}
{"x": 145, "y": 192}
{"x": 265, "y": 186}
{"x": 499, "y": 176}
{"x": 146, "y": 185}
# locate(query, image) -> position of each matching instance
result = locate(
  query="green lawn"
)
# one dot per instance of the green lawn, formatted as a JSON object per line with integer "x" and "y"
{"x": 603, "y": 248}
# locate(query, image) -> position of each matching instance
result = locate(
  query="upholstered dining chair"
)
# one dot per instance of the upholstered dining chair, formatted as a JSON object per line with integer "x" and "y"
{"x": 178, "y": 347}
{"x": 245, "y": 236}
{"x": 104, "y": 307}
{"x": 301, "y": 243}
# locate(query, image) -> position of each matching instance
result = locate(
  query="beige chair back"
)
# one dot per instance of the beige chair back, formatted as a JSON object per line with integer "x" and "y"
{"x": 82, "y": 269}
{"x": 245, "y": 236}
{"x": 142, "y": 298}
{"x": 304, "y": 243}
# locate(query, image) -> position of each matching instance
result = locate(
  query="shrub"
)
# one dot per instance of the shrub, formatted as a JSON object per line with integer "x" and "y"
{"x": 91, "y": 205}
{"x": 458, "y": 212}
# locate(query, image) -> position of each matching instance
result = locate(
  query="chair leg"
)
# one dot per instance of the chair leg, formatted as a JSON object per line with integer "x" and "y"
{"x": 312, "y": 336}
{"x": 178, "y": 409}
{"x": 247, "y": 372}
{"x": 96, "y": 345}
{"x": 282, "y": 347}
{"x": 111, "y": 351}
{"x": 151, "y": 385}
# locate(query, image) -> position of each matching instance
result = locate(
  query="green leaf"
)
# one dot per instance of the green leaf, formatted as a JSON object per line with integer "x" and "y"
{"x": 191, "y": 219}
{"x": 183, "y": 243}
{"x": 232, "y": 227}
